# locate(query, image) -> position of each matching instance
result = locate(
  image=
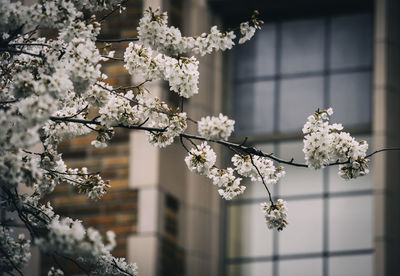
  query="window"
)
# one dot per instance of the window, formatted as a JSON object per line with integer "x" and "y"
{"x": 290, "y": 69}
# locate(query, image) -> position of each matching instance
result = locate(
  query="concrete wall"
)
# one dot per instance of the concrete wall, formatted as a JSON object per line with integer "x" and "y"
{"x": 387, "y": 134}
{"x": 162, "y": 177}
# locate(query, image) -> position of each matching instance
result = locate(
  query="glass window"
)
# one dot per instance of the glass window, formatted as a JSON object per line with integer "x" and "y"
{"x": 351, "y": 41}
{"x": 304, "y": 232}
{"x": 253, "y": 269}
{"x": 298, "y": 181}
{"x": 302, "y": 46}
{"x": 248, "y": 232}
{"x": 265, "y": 51}
{"x": 299, "y": 98}
{"x": 350, "y": 223}
{"x": 309, "y": 267}
{"x": 321, "y": 62}
{"x": 351, "y": 265}
{"x": 244, "y": 62}
{"x": 350, "y": 98}
{"x": 263, "y": 107}
{"x": 243, "y": 108}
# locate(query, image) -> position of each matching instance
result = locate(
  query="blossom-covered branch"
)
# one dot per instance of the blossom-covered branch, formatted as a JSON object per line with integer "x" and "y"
{"x": 54, "y": 90}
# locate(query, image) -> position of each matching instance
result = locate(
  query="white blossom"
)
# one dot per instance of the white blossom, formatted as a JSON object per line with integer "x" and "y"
{"x": 325, "y": 144}
{"x": 55, "y": 272}
{"x": 201, "y": 159}
{"x": 269, "y": 173}
{"x": 247, "y": 32}
{"x": 154, "y": 32}
{"x": 220, "y": 127}
{"x": 275, "y": 214}
{"x": 14, "y": 252}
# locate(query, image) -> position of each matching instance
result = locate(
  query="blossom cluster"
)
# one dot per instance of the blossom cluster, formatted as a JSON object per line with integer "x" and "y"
{"x": 14, "y": 252}
{"x": 220, "y": 127}
{"x": 154, "y": 32}
{"x": 275, "y": 214}
{"x": 90, "y": 184}
{"x": 325, "y": 143}
{"x": 257, "y": 168}
{"x": 247, "y": 31}
{"x": 181, "y": 73}
{"x": 202, "y": 159}
{"x": 73, "y": 240}
{"x": 130, "y": 109}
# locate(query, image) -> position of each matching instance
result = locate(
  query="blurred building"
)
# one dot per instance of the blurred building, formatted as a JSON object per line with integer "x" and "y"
{"x": 309, "y": 54}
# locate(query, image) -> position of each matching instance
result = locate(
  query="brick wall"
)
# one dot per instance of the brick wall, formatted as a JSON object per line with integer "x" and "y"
{"x": 117, "y": 210}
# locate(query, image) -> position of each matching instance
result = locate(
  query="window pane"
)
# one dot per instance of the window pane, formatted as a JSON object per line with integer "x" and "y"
{"x": 243, "y": 108}
{"x": 350, "y": 98}
{"x": 299, "y": 98}
{"x": 248, "y": 232}
{"x": 263, "y": 116}
{"x": 338, "y": 184}
{"x": 304, "y": 232}
{"x": 302, "y": 46}
{"x": 244, "y": 60}
{"x": 298, "y": 181}
{"x": 265, "y": 51}
{"x": 351, "y": 266}
{"x": 350, "y": 223}
{"x": 309, "y": 267}
{"x": 351, "y": 41}
{"x": 250, "y": 269}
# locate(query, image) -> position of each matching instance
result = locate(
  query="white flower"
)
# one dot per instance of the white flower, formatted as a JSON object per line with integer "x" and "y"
{"x": 220, "y": 127}
{"x": 55, "y": 272}
{"x": 15, "y": 252}
{"x": 247, "y": 32}
{"x": 154, "y": 32}
{"x": 325, "y": 144}
{"x": 269, "y": 173}
{"x": 275, "y": 214}
{"x": 201, "y": 159}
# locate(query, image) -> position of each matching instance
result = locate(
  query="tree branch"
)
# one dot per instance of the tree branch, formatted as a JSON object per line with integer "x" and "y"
{"x": 117, "y": 40}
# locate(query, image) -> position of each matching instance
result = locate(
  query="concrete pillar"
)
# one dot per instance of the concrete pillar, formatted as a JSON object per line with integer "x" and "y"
{"x": 387, "y": 134}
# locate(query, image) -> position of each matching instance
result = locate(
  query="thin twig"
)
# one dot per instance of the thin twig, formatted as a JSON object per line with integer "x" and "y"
{"x": 183, "y": 144}
{"x": 11, "y": 262}
{"x": 381, "y": 150}
{"x": 262, "y": 179}
{"x": 117, "y": 7}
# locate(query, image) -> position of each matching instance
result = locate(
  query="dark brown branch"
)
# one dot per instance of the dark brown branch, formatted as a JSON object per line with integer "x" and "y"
{"x": 8, "y": 102}
{"x": 381, "y": 150}
{"x": 22, "y": 52}
{"x": 29, "y": 44}
{"x": 79, "y": 112}
{"x": 117, "y": 40}
{"x": 92, "y": 122}
{"x": 245, "y": 149}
